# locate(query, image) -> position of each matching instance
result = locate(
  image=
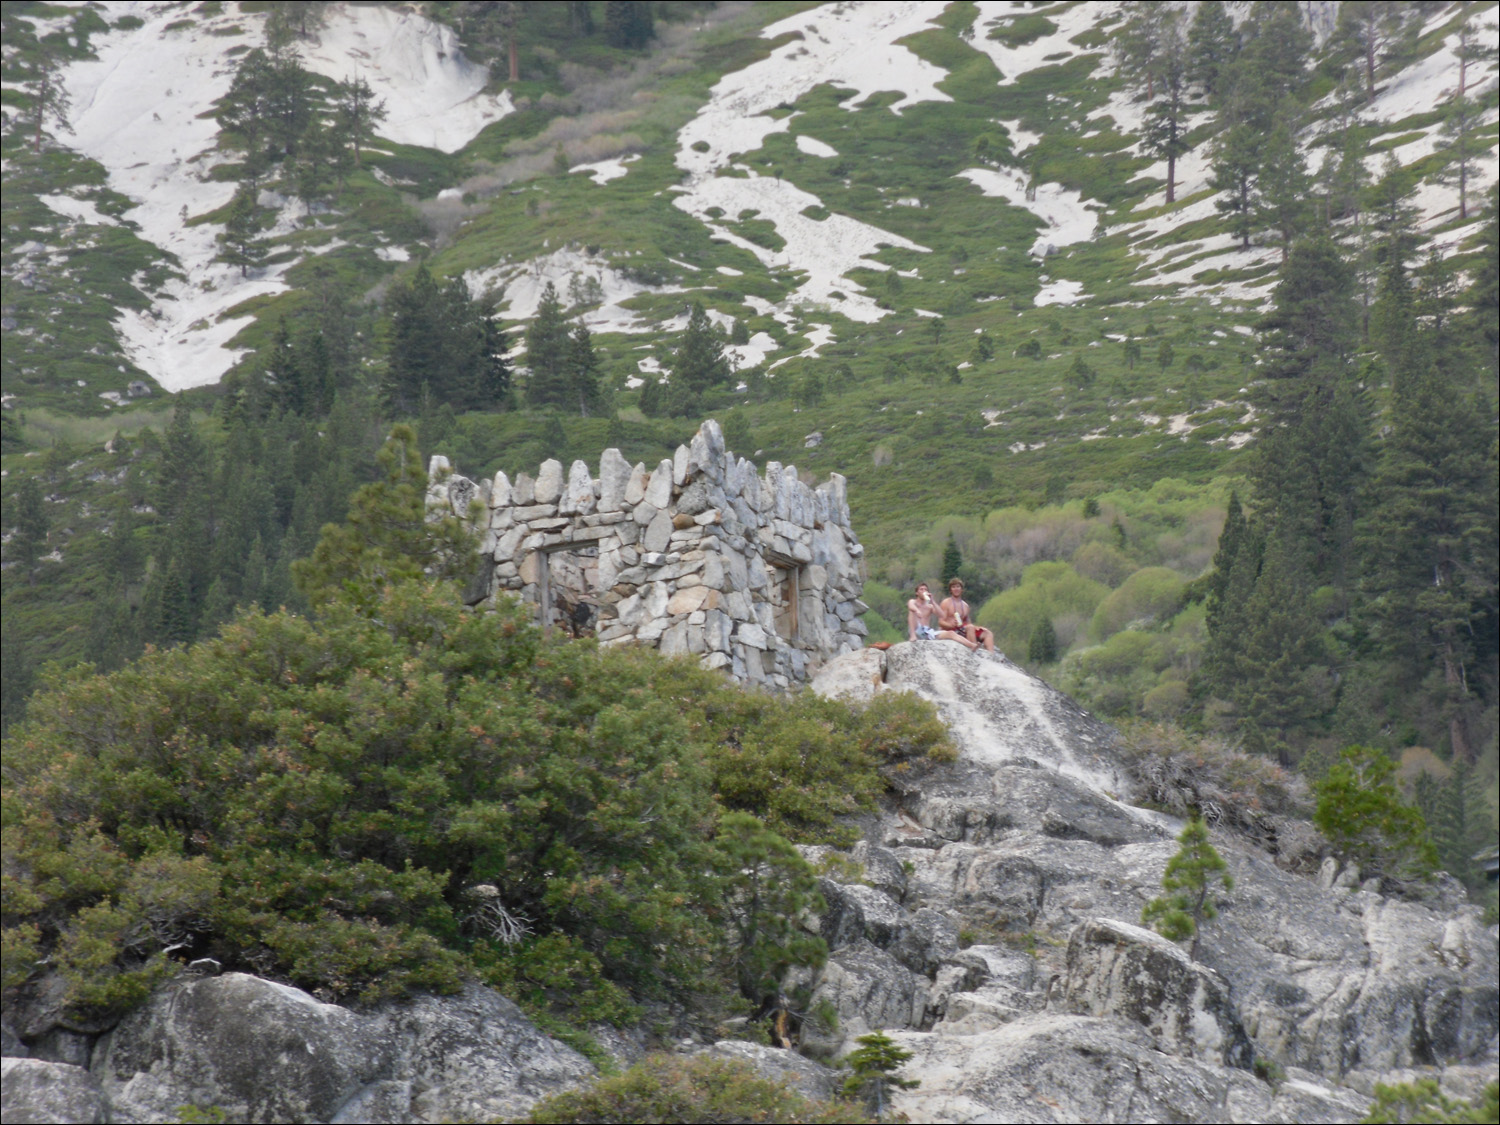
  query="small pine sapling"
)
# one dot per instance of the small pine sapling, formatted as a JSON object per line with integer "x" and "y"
{"x": 875, "y": 1062}
{"x": 1188, "y": 881}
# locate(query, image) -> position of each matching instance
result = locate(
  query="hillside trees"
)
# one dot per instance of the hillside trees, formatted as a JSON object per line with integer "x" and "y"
{"x": 1153, "y": 52}
{"x": 444, "y": 346}
{"x": 698, "y": 363}
{"x": 1377, "y": 34}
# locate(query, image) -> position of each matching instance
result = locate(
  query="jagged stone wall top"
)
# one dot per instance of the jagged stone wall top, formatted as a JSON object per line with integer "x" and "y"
{"x": 758, "y": 574}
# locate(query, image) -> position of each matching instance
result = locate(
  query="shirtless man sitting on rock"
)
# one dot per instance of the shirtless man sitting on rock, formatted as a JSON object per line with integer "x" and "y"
{"x": 920, "y": 612}
{"x": 953, "y": 614}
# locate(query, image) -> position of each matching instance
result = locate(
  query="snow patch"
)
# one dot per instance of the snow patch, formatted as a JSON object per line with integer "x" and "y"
{"x": 79, "y": 210}
{"x": 1060, "y": 293}
{"x": 814, "y": 147}
{"x": 524, "y": 282}
{"x": 434, "y": 96}
{"x": 1068, "y": 217}
{"x": 602, "y": 171}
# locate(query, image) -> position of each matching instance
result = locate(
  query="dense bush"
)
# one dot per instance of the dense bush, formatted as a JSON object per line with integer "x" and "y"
{"x": 1362, "y": 811}
{"x": 692, "y": 1091}
{"x": 400, "y": 792}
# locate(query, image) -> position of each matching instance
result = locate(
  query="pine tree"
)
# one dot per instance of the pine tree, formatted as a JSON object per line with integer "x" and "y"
{"x": 582, "y": 370}
{"x": 418, "y": 352}
{"x": 1476, "y": 46}
{"x": 1378, "y": 34}
{"x": 1461, "y": 149}
{"x": 628, "y": 23}
{"x": 31, "y": 524}
{"x": 360, "y": 112}
{"x": 1430, "y": 532}
{"x": 49, "y": 99}
{"x": 387, "y": 536}
{"x": 874, "y": 1063}
{"x": 547, "y": 353}
{"x": 238, "y": 242}
{"x": 1153, "y": 50}
{"x": 698, "y": 365}
{"x": 1236, "y": 166}
{"x": 953, "y": 560}
{"x": 1283, "y": 187}
{"x": 1279, "y": 684}
{"x": 1041, "y": 648}
{"x": 1362, "y": 812}
{"x": 1190, "y": 880}
{"x": 769, "y": 885}
{"x": 1213, "y": 45}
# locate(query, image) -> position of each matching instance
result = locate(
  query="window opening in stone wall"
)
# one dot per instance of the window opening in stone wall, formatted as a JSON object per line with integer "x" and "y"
{"x": 785, "y": 593}
{"x": 568, "y": 591}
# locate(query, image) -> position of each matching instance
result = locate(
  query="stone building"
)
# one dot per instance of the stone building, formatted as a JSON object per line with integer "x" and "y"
{"x": 757, "y": 574}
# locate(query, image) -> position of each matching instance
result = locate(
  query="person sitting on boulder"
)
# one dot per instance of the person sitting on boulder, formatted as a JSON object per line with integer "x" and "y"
{"x": 953, "y": 614}
{"x": 920, "y": 612}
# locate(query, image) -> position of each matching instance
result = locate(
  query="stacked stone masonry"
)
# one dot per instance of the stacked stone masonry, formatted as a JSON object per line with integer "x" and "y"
{"x": 757, "y": 575}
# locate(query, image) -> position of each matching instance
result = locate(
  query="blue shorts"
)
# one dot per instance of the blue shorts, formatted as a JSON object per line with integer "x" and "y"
{"x": 926, "y": 633}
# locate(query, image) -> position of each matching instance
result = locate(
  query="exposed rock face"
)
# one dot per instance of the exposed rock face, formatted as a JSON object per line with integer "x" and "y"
{"x": 703, "y": 556}
{"x": 262, "y": 1051}
{"x": 1117, "y": 969}
{"x": 33, "y": 1091}
{"x": 1060, "y": 1012}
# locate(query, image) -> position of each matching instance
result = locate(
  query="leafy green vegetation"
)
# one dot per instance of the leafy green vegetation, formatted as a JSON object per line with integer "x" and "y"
{"x": 1363, "y": 813}
{"x": 398, "y": 792}
{"x": 692, "y": 1091}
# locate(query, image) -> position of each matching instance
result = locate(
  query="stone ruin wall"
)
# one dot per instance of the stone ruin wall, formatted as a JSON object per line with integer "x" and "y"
{"x": 757, "y": 574}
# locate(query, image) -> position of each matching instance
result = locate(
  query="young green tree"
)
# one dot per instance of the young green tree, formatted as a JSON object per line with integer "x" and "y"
{"x": 1362, "y": 812}
{"x": 1379, "y": 34}
{"x": 239, "y": 242}
{"x": 698, "y": 364}
{"x": 953, "y": 559}
{"x": 49, "y": 99}
{"x": 1212, "y": 47}
{"x": 547, "y": 353}
{"x": 360, "y": 112}
{"x": 1153, "y": 51}
{"x": 31, "y": 524}
{"x": 1190, "y": 882}
{"x": 1041, "y": 648}
{"x": 874, "y": 1064}
{"x": 389, "y": 536}
{"x": 583, "y": 370}
{"x": 1460, "y": 148}
{"x": 768, "y": 885}
{"x": 1280, "y": 202}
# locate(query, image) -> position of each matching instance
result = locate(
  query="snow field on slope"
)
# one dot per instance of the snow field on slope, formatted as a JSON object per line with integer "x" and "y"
{"x": 524, "y": 283}
{"x": 138, "y": 108}
{"x": 1069, "y": 218}
{"x": 434, "y": 96}
{"x": 1012, "y": 62}
{"x": 851, "y": 47}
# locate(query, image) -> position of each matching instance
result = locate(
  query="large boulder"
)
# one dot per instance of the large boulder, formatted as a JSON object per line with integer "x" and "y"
{"x": 1065, "y": 1068}
{"x": 33, "y": 1091}
{"x": 262, "y": 1051}
{"x": 1117, "y": 969}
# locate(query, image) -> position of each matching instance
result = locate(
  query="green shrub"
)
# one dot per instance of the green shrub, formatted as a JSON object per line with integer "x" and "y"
{"x": 1424, "y": 1101}
{"x": 1362, "y": 812}
{"x": 1147, "y": 595}
{"x": 694, "y": 1091}
{"x": 1049, "y": 590}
